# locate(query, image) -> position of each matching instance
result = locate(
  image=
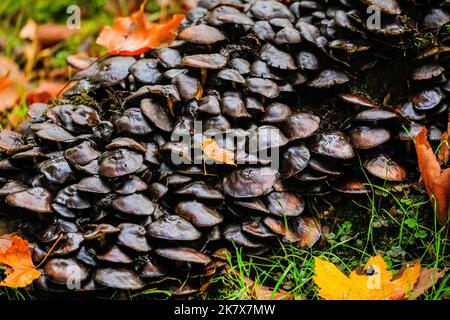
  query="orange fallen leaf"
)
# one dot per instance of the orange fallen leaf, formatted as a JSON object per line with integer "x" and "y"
{"x": 214, "y": 152}
{"x": 12, "y": 83}
{"x": 20, "y": 270}
{"x": 133, "y": 35}
{"x": 45, "y": 91}
{"x": 436, "y": 180}
{"x": 444, "y": 150}
{"x": 375, "y": 282}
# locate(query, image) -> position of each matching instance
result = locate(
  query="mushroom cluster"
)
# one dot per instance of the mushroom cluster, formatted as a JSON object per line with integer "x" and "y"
{"x": 111, "y": 176}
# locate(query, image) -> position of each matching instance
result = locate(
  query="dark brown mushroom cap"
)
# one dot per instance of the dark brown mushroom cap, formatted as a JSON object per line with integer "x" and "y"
{"x": 323, "y": 166}
{"x": 288, "y": 35}
{"x": 149, "y": 267}
{"x": 198, "y": 214}
{"x": 219, "y": 123}
{"x": 37, "y": 111}
{"x": 209, "y": 104}
{"x": 81, "y": 154}
{"x": 284, "y": 203}
{"x": 351, "y": 187}
{"x": 134, "y": 204}
{"x": 122, "y": 279}
{"x": 249, "y": 182}
{"x": 100, "y": 230}
{"x": 131, "y": 185}
{"x": 267, "y": 10}
{"x": 119, "y": 162}
{"x": 180, "y": 151}
{"x": 328, "y": 78}
{"x": 157, "y": 114}
{"x": 240, "y": 65}
{"x": 266, "y": 137}
{"x": 233, "y": 232}
{"x": 114, "y": 255}
{"x": 176, "y": 179}
{"x": 387, "y": 6}
{"x": 133, "y": 121}
{"x": 261, "y": 69}
{"x": 33, "y": 153}
{"x": 426, "y": 100}
{"x": 146, "y": 71}
{"x": 93, "y": 185}
{"x": 277, "y": 58}
{"x": 263, "y": 30}
{"x": 85, "y": 116}
{"x": 294, "y": 160}
{"x": 333, "y": 144}
{"x": 173, "y": 227}
{"x": 70, "y": 198}
{"x": 252, "y": 204}
{"x": 279, "y": 227}
{"x": 300, "y": 126}
{"x": 231, "y": 75}
{"x": 358, "y": 100}
{"x": 201, "y": 190}
{"x": 206, "y": 61}
{"x": 65, "y": 271}
{"x": 34, "y": 199}
{"x": 133, "y": 236}
{"x": 201, "y": 34}
{"x": 188, "y": 87}
{"x": 253, "y": 104}
{"x": 436, "y": 18}
{"x": 427, "y": 71}
{"x": 157, "y": 190}
{"x": 310, "y": 175}
{"x": 124, "y": 142}
{"x": 70, "y": 243}
{"x": 12, "y": 187}
{"x": 183, "y": 254}
{"x": 169, "y": 58}
{"x": 308, "y": 231}
{"x": 383, "y": 167}
{"x": 375, "y": 115}
{"x": 236, "y": 18}
{"x": 308, "y": 31}
{"x": 307, "y": 61}
{"x": 255, "y": 227}
{"x": 112, "y": 70}
{"x": 12, "y": 142}
{"x": 264, "y": 87}
{"x": 367, "y": 138}
{"x": 408, "y": 111}
{"x": 275, "y": 113}
{"x": 234, "y": 107}
{"x": 91, "y": 168}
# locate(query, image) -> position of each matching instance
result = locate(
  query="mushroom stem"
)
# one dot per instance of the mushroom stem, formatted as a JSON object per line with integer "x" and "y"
{"x": 204, "y": 74}
{"x": 170, "y": 105}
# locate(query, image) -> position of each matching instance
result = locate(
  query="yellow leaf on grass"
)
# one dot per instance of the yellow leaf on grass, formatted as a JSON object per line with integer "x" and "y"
{"x": 375, "y": 282}
{"x": 20, "y": 270}
{"x": 214, "y": 152}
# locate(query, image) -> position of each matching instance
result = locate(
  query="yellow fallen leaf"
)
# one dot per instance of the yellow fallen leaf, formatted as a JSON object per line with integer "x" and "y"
{"x": 214, "y": 152}
{"x": 374, "y": 283}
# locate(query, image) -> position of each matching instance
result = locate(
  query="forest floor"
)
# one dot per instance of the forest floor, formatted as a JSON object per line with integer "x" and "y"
{"x": 398, "y": 223}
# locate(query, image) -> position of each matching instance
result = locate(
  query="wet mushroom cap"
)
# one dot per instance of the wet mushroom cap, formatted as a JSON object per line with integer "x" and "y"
{"x": 234, "y": 233}
{"x": 172, "y": 227}
{"x": 206, "y": 61}
{"x": 366, "y": 137}
{"x": 122, "y": 279}
{"x": 284, "y": 204}
{"x": 294, "y": 160}
{"x": 93, "y": 185}
{"x": 300, "y": 126}
{"x": 249, "y": 182}
{"x": 385, "y": 168}
{"x": 201, "y": 34}
{"x": 134, "y": 204}
{"x": 200, "y": 190}
{"x": 119, "y": 162}
{"x": 333, "y": 144}
{"x": 183, "y": 254}
{"x": 34, "y": 199}
{"x": 157, "y": 114}
{"x": 198, "y": 214}
{"x": 65, "y": 271}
